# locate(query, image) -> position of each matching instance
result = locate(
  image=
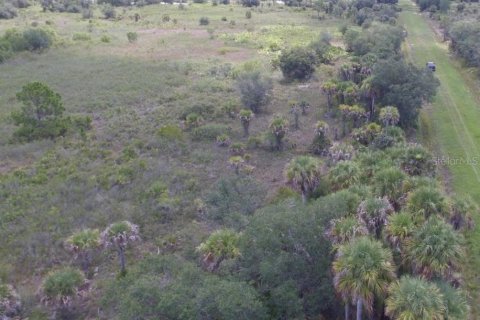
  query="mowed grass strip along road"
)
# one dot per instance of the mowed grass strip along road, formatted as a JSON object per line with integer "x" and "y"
{"x": 453, "y": 124}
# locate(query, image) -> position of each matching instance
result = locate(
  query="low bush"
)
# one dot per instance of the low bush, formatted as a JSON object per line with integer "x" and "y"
{"x": 297, "y": 63}
{"x": 15, "y": 41}
{"x": 37, "y": 39}
{"x": 105, "y": 39}
{"x": 170, "y": 132}
{"x": 109, "y": 12}
{"x": 80, "y": 36}
{"x": 132, "y": 37}
{"x": 204, "y": 21}
{"x": 209, "y": 131}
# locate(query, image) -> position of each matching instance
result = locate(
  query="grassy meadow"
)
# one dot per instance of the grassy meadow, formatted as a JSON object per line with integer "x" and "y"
{"x": 127, "y": 167}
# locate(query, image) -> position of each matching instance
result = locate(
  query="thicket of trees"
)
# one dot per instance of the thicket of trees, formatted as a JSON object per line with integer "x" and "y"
{"x": 460, "y": 26}
{"x": 465, "y": 41}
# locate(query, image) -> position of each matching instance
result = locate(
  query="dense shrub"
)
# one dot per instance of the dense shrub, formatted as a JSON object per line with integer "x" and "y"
{"x": 73, "y": 6}
{"x": 41, "y": 115}
{"x": 297, "y": 63}
{"x": 254, "y": 90}
{"x": 37, "y": 39}
{"x": 132, "y": 36}
{"x": 404, "y": 86}
{"x": 109, "y": 12}
{"x": 177, "y": 289}
{"x": 233, "y": 199}
{"x": 250, "y": 3}
{"x": 20, "y": 3}
{"x": 204, "y": 21}
{"x": 284, "y": 252}
{"x": 442, "y": 5}
{"x": 32, "y": 39}
{"x": 382, "y": 40}
{"x": 321, "y": 48}
{"x": 7, "y": 11}
{"x": 465, "y": 42}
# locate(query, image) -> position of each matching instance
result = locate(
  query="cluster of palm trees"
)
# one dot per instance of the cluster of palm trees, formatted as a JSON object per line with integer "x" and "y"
{"x": 400, "y": 253}
{"x": 62, "y": 285}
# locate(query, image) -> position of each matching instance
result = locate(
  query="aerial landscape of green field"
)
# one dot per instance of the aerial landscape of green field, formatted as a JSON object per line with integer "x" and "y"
{"x": 239, "y": 160}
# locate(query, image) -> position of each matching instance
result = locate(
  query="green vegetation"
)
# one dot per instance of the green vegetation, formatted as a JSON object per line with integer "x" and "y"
{"x": 14, "y": 41}
{"x": 297, "y": 63}
{"x": 449, "y": 125}
{"x": 41, "y": 115}
{"x": 254, "y": 196}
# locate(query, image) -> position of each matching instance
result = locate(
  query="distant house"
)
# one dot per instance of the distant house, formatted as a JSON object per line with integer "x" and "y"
{"x": 431, "y": 65}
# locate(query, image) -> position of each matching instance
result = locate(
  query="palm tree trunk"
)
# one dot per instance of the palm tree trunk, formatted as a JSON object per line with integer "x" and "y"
{"x": 304, "y": 197}
{"x": 279, "y": 142}
{"x": 245, "y": 128}
{"x": 372, "y": 107}
{"x": 85, "y": 258}
{"x": 359, "y": 308}
{"x": 347, "y": 311}
{"x": 121, "y": 257}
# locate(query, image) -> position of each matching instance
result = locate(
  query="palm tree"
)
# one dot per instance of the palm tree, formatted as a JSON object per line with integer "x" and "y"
{"x": 417, "y": 161}
{"x": 321, "y": 142}
{"x": 427, "y": 201}
{"x": 374, "y": 212}
{"x": 304, "y": 105}
{"x": 119, "y": 235}
{"x": 341, "y": 151}
{"x": 369, "y": 91}
{"x": 454, "y": 301}
{"x": 399, "y": 228}
{"x": 295, "y": 111}
{"x": 193, "y": 120}
{"x": 389, "y": 183}
{"x": 60, "y": 287}
{"x": 220, "y": 245}
{"x": 10, "y": 303}
{"x": 279, "y": 127}
{"x": 245, "y": 117}
{"x": 435, "y": 249}
{"x": 330, "y": 88}
{"x": 345, "y": 229}
{"x": 363, "y": 269}
{"x": 344, "y": 174}
{"x": 303, "y": 173}
{"x": 352, "y": 115}
{"x": 389, "y": 116}
{"x": 461, "y": 214}
{"x": 414, "y": 298}
{"x": 82, "y": 243}
{"x": 236, "y": 162}
{"x": 350, "y": 93}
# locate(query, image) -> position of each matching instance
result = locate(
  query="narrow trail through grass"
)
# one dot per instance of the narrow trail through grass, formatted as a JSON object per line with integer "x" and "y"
{"x": 452, "y": 124}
